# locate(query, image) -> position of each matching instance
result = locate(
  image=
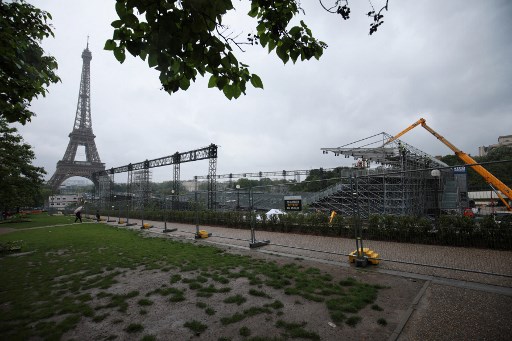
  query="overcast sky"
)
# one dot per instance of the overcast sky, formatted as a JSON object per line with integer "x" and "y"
{"x": 446, "y": 61}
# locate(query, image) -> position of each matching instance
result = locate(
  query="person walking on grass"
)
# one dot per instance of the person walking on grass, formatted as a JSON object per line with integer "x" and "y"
{"x": 78, "y": 214}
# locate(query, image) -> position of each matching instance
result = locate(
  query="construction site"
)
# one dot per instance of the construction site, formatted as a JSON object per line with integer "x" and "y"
{"x": 387, "y": 177}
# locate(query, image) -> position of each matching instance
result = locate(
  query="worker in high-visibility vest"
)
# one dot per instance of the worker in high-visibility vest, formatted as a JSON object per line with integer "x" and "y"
{"x": 333, "y": 214}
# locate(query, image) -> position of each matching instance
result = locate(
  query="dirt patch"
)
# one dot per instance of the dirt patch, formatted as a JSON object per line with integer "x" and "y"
{"x": 5, "y": 230}
{"x": 164, "y": 318}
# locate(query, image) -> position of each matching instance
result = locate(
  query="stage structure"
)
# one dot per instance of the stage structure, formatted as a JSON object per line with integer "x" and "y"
{"x": 81, "y": 135}
{"x": 401, "y": 183}
{"x": 139, "y": 176}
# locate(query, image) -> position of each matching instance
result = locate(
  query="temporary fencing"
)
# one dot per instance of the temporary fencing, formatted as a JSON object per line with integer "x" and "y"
{"x": 421, "y": 220}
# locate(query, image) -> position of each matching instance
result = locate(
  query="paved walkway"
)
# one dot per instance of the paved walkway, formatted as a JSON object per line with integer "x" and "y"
{"x": 438, "y": 261}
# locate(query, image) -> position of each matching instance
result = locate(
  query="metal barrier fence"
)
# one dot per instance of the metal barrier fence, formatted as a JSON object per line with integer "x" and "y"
{"x": 419, "y": 221}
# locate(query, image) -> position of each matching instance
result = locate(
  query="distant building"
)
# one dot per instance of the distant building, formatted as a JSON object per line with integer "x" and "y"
{"x": 61, "y": 201}
{"x": 502, "y": 141}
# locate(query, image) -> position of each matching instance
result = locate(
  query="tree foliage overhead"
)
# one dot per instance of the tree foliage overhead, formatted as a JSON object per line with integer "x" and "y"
{"x": 24, "y": 69}
{"x": 186, "y": 38}
{"x": 20, "y": 181}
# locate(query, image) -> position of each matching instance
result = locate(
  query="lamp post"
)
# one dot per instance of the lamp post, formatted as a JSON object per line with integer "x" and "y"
{"x": 119, "y": 212}
{"x": 237, "y": 197}
{"x": 115, "y": 200}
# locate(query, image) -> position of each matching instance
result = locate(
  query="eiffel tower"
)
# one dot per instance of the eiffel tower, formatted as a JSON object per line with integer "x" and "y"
{"x": 81, "y": 135}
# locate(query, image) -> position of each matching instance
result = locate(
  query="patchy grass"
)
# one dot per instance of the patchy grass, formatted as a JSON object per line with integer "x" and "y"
{"x": 353, "y": 320}
{"x": 201, "y": 305}
{"x": 196, "y": 326}
{"x": 258, "y": 293}
{"x": 382, "y": 322}
{"x": 144, "y": 302}
{"x": 67, "y": 275}
{"x": 238, "y": 299}
{"x": 244, "y": 331}
{"x": 246, "y": 313}
{"x": 134, "y": 328}
{"x": 296, "y": 330}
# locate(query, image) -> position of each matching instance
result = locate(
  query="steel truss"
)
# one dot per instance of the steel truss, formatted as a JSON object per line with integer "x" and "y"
{"x": 284, "y": 173}
{"x": 176, "y": 159}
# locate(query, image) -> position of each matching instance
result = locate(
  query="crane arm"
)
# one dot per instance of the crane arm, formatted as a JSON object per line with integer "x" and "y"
{"x": 468, "y": 160}
{"x": 418, "y": 122}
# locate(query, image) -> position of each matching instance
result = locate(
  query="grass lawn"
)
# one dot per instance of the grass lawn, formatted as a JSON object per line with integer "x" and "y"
{"x": 67, "y": 276}
{"x": 37, "y": 220}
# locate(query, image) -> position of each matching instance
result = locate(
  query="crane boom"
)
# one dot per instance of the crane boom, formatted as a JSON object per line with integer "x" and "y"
{"x": 493, "y": 181}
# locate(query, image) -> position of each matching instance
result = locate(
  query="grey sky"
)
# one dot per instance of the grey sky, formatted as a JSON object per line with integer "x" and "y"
{"x": 446, "y": 61}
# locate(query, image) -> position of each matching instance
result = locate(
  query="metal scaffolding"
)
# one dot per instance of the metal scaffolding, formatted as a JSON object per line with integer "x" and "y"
{"x": 400, "y": 183}
{"x": 104, "y": 190}
{"x": 141, "y": 187}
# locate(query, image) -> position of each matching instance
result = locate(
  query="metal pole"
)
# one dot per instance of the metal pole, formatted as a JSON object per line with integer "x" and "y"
{"x": 252, "y": 215}
{"x": 119, "y": 212}
{"x": 197, "y": 213}
{"x": 165, "y": 213}
{"x": 142, "y": 214}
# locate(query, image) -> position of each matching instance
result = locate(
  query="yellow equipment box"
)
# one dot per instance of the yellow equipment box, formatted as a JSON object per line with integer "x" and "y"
{"x": 370, "y": 254}
{"x": 202, "y": 234}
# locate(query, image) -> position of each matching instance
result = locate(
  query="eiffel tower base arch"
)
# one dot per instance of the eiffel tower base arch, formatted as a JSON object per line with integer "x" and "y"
{"x": 66, "y": 170}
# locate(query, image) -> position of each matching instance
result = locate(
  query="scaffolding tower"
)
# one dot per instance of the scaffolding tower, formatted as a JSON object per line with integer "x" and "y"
{"x": 104, "y": 190}
{"x": 140, "y": 184}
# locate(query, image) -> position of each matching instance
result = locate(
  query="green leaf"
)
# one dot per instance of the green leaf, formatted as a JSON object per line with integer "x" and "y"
{"x": 143, "y": 54}
{"x": 228, "y": 91}
{"x": 254, "y": 11}
{"x": 110, "y": 45}
{"x": 236, "y": 90}
{"x": 212, "y": 82}
{"x": 120, "y": 9}
{"x": 256, "y": 81}
{"x": 271, "y": 45}
{"x": 116, "y": 23}
{"x": 281, "y": 53}
{"x": 119, "y": 54}
{"x": 153, "y": 59}
{"x": 295, "y": 31}
{"x": 184, "y": 83}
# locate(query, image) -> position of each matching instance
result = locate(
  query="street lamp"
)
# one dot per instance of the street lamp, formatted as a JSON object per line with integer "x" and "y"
{"x": 113, "y": 210}
{"x": 237, "y": 197}
{"x": 172, "y": 200}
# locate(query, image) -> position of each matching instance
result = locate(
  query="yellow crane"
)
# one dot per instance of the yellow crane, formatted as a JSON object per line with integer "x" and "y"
{"x": 493, "y": 181}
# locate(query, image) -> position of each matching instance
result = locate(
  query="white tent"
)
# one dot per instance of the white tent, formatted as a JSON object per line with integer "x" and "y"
{"x": 274, "y": 212}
